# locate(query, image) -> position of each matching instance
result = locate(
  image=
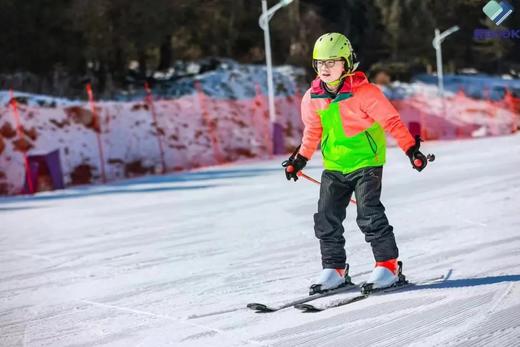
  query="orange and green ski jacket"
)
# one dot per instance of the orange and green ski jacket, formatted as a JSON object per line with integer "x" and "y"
{"x": 351, "y": 126}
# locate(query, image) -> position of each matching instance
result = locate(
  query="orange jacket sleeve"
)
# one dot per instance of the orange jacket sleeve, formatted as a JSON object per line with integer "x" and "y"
{"x": 378, "y": 107}
{"x": 312, "y": 130}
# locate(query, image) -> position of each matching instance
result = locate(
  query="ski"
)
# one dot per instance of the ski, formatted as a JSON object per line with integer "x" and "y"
{"x": 305, "y": 307}
{"x": 402, "y": 284}
{"x": 262, "y": 308}
{"x": 315, "y": 292}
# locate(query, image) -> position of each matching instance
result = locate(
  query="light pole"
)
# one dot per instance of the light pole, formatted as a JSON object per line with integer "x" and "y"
{"x": 437, "y": 42}
{"x": 263, "y": 21}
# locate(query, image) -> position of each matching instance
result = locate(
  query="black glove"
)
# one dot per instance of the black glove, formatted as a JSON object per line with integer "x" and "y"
{"x": 293, "y": 165}
{"x": 417, "y": 159}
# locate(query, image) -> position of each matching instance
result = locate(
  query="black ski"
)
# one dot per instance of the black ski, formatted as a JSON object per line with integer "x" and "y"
{"x": 305, "y": 307}
{"x": 315, "y": 292}
{"x": 266, "y": 308}
{"x": 342, "y": 302}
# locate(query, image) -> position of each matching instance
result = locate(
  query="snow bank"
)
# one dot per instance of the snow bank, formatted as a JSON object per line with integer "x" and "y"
{"x": 217, "y": 117}
{"x": 224, "y": 119}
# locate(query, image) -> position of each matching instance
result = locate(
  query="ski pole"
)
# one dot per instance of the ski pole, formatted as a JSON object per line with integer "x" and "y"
{"x": 300, "y": 173}
{"x": 290, "y": 169}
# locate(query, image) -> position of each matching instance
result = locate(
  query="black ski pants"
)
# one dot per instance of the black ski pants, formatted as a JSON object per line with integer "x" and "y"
{"x": 335, "y": 193}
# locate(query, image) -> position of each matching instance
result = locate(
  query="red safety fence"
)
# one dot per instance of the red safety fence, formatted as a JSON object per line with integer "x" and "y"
{"x": 21, "y": 139}
{"x": 147, "y": 137}
{"x": 463, "y": 117}
{"x": 150, "y": 102}
{"x": 97, "y": 129}
{"x": 154, "y": 136}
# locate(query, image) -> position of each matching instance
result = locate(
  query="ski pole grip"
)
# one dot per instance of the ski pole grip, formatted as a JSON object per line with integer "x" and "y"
{"x": 290, "y": 168}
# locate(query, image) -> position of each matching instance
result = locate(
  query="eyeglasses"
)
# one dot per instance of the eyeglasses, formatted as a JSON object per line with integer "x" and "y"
{"x": 328, "y": 63}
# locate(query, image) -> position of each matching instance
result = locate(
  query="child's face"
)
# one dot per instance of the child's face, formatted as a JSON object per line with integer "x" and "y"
{"x": 330, "y": 70}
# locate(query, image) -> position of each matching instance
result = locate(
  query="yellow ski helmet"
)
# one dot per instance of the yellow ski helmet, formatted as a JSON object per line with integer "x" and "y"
{"x": 334, "y": 46}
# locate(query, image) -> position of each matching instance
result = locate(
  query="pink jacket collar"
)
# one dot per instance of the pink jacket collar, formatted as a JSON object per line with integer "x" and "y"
{"x": 351, "y": 83}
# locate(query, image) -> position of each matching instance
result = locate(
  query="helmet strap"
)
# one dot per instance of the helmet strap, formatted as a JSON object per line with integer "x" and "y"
{"x": 339, "y": 80}
{"x": 336, "y": 82}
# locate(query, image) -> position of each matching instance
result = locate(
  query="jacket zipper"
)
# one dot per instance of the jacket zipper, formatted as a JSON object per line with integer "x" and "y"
{"x": 371, "y": 140}
{"x": 323, "y": 145}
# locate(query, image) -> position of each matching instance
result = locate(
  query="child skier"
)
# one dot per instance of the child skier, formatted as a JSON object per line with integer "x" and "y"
{"x": 349, "y": 116}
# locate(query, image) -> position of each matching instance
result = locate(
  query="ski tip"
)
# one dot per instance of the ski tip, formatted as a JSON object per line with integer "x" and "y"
{"x": 259, "y": 307}
{"x": 307, "y": 308}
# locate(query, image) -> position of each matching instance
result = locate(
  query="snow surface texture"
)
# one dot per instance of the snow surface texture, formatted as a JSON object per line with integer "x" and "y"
{"x": 173, "y": 260}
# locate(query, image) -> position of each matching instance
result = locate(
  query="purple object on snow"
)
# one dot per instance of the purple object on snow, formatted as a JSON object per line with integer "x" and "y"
{"x": 49, "y": 162}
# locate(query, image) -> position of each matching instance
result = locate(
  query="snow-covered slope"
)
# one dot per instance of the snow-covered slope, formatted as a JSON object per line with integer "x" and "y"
{"x": 173, "y": 260}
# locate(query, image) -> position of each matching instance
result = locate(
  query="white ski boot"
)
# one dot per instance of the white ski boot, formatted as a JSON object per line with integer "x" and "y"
{"x": 330, "y": 279}
{"x": 385, "y": 274}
